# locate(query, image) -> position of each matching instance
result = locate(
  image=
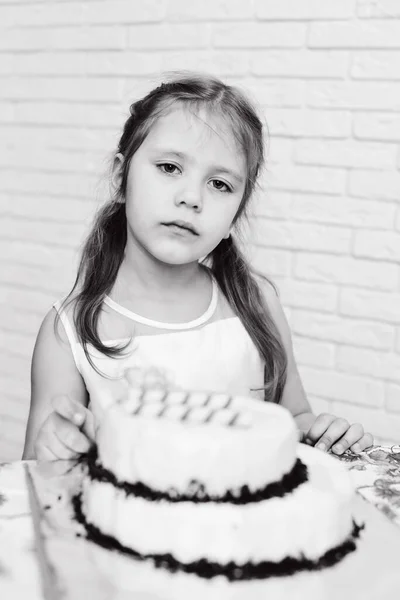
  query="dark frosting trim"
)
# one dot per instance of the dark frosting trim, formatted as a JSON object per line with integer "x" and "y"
{"x": 197, "y": 491}
{"x": 233, "y": 572}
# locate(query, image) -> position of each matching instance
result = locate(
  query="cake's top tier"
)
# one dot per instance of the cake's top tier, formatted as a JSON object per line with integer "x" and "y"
{"x": 174, "y": 440}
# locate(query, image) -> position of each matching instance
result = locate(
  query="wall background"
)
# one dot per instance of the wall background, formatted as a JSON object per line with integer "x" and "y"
{"x": 327, "y": 228}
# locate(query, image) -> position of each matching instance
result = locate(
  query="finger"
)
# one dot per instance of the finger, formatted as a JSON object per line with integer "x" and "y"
{"x": 318, "y": 428}
{"x": 70, "y": 435}
{"x": 69, "y": 409}
{"x": 352, "y": 435}
{"x": 50, "y": 444}
{"x": 335, "y": 431}
{"x": 88, "y": 426}
{"x": 366, "y": 441}
{"x": 43, "y": 452}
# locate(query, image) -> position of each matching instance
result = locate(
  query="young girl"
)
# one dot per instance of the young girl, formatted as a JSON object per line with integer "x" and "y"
{"x": 162, "y": 282}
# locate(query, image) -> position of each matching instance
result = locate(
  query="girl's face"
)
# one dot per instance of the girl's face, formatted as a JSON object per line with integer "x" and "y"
{"x": 188, "y": 171}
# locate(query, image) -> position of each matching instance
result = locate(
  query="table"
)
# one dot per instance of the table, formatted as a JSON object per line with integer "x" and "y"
{"x": 376, "y": 474}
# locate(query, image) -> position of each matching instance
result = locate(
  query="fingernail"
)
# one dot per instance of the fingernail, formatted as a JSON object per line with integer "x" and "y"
{"x": 338, "y": 449}
{"x": 78, "y": 418}
{"x": 321, "y": 446}
{"x": 356, "y": 448}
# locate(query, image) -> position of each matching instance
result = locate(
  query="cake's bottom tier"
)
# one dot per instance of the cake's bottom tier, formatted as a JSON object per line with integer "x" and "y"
{"x": 304, "y": 525}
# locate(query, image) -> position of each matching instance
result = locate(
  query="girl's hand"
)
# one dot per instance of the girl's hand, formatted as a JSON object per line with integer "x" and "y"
{"x": 329, "y": 431}
{"x": 67, "y": 432}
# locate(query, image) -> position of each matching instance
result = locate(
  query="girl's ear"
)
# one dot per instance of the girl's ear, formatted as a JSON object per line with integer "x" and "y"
{"x": 227, "y": 236}
{"x": 116, "y": 175}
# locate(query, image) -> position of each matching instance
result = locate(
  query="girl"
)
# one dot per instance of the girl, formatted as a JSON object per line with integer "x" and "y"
{"x": 162, "y": 282}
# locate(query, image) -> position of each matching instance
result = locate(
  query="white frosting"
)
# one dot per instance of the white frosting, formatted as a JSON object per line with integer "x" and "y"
{"x": 154, "y": 446}
{"x": 309, "y": 521}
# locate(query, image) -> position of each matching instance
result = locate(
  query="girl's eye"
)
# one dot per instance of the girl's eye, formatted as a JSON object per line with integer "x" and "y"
{"x": 221, "y": 186}
{"x": 168, "y": 168}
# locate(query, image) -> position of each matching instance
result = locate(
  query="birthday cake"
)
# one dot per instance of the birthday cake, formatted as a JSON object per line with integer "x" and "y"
{"x": 214, "y": 486}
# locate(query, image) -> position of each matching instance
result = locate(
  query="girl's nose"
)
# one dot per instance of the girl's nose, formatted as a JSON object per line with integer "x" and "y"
{"x": 191, "y": 196}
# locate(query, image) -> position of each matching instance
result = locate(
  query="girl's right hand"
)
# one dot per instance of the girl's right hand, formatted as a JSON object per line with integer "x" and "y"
{"x": 67, "y": 432}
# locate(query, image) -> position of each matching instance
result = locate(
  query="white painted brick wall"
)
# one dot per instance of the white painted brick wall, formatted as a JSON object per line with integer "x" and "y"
{"x": 327, "y": 222}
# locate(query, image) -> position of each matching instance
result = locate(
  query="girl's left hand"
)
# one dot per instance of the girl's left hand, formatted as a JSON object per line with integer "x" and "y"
{"x": 330, "y": 432}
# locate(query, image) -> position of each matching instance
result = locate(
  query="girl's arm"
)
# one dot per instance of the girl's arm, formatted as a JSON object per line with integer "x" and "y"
{"x": 325, "y": 430}
{"x": 294, "y": 397}
{"x": 53, "y": 374}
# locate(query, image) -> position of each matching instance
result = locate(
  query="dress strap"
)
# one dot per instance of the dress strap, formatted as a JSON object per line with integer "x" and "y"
{"x": 69, "y": 332}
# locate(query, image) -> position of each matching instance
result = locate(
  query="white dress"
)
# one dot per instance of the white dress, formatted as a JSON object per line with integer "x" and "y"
{"x": 211, "y": 353}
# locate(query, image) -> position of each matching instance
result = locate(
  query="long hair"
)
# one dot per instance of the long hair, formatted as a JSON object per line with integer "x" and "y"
{"x": 104, "y": 248}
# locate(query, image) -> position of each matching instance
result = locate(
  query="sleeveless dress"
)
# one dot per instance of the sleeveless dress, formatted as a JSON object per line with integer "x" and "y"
{"x": 211, "y": 353}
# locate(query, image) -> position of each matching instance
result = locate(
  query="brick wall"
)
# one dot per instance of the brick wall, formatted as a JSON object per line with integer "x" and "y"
{"x": 327, "y": 223}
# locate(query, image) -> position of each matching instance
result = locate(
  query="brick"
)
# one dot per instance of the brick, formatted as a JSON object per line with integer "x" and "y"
{"x": 21, "y": 321}
{"x": 380, "y": 64}
{"x": 398, "y": 220}
{"x": 7, "y": 112}
{"x": 309, "y": 295}
{"x": 378, "y": 306}
{"x": 308, "y": 123}
{"x": 60, "y": 38}
{"x": 377, "y": 126}
{"x": 343, "y": 210}
{"x": 17, "y": 344}
{"x": 355, "y": 34}
{"x": 347, "y": 153}
{"x": 301, "y": 236}
{"x": 69, "y": 138}
{"x": 270, "y": 261}
{"x": 308, "y": 179}
{"x": 383, "y": 9}
{"x": 220, "y": 63}
{"x": 45, "y": 232}
{"x": 313, "y": 353}
{"x": 346, "y": 270}
{"x": 392, "y": 403}
{"x": 16, "y": 390}
{"x": 378, "y": 422}
{"x": 300, "y": 63}
{"x": 273, "y": 204}
{"x": 280, "y": 150}
{"x": 123, "y": 64}
{"x": 360, "y": 361}
{"x": 47, "y": 63}
{"x": 367, "y": 184}
{"x": 49, "y": 279}
{"x": 259, "y": 35}
{"x": 209, "y": 10}
{"x": 340, "y": 386}
{"x": 354, "y": 95}
{"x": 278, "y": 93}
{"x": 334, "y": 328}
{"x": 71, "y": 113}
{"x": 74, "y": 88}
{"x": 48, "y": 208}
{"x": 36, "y": 254}
{"x": 59, "y": 184}
{"x": 304, "y": 9}
{"x": 377, "y": 245}
{"x": 7, "y": 64}
{"x": 14, "y": 366}
{"x": 168, "y": 36}
{"x": 35, "y": 15}
{"x": 38, "y": 158}
{"x": 32, "y": 301}
{"x": 124, "y": 11}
